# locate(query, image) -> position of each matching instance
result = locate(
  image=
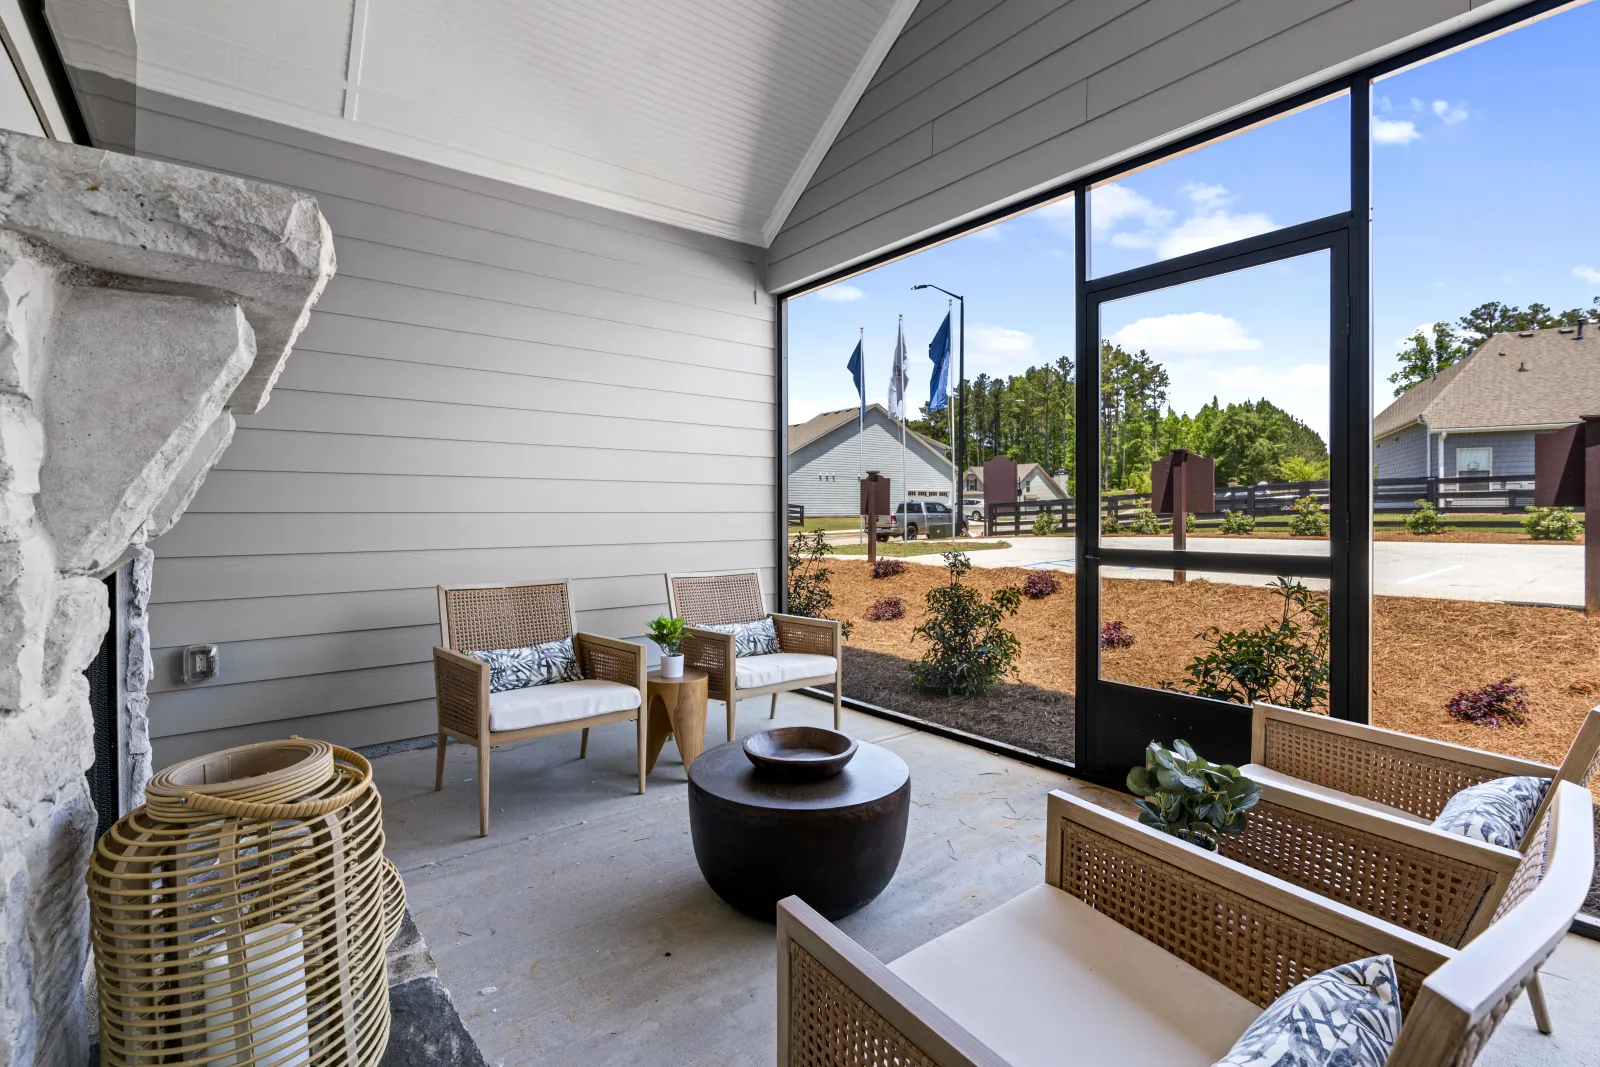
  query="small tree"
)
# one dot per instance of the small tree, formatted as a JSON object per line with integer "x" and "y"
{"x": 809, "y": 592}
{"x": 1046, "y": 524}
{"x": 1424, "y": 518}
{"x": 1283, "y": 662}
{"x": 1307, "y": 519}
{"x": 1552, "y": 524}
{"x": 1238, "y": 522}
{"x": 969, "y": 649}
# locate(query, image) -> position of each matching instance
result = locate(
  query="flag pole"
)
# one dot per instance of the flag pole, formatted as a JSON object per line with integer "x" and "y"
{"x": 950, "y": 409}
{"x": 900, "y": 388}
{"x": 861, "y": 425}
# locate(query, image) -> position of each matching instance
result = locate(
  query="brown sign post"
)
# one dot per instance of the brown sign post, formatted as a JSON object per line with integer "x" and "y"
{"x": 1183, "y": 482}
{"x": 874, "y": 502}
{"x": 1566, "y": 467}
{"x": 999, "y": 484}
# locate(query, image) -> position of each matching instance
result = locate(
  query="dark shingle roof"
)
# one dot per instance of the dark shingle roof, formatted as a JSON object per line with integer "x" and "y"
{"x": 803, "y": 433}
{"x": 1539, "y": 378}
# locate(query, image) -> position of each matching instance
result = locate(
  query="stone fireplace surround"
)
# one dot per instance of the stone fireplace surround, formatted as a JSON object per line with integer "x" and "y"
{"x": 142, "y": 305}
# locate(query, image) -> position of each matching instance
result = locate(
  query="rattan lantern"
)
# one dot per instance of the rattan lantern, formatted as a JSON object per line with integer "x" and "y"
{"x": 242, "y": 915}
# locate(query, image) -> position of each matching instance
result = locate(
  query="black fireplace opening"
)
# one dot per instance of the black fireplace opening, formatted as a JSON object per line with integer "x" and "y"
{"x": 105, "y": 784}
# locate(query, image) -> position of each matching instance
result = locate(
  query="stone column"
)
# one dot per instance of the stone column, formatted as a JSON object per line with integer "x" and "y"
{"x": 141, "y": 305}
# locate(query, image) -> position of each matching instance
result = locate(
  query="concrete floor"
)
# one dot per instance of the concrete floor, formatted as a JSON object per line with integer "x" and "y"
{"x": 580, "y": 931}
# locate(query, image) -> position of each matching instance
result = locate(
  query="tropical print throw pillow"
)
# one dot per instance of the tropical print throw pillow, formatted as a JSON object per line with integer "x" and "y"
{"x": 1499, "y": 811}
{"x": 759, "y": 638}
{"x": 1347, "y": 1016}
{"x": 518, "y": 668}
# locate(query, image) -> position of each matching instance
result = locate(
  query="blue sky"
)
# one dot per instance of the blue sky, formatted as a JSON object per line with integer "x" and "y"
{"x": 1486, "y": 186}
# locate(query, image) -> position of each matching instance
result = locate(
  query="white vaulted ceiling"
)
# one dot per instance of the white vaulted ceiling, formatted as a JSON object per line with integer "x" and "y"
{"x": 709, "y": 114}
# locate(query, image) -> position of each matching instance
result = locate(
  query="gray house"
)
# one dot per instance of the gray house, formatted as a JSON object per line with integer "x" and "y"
{"x": 1480, "y": 415}
{"x": 1033, "y": 483}
{"x": 827, "y": 456}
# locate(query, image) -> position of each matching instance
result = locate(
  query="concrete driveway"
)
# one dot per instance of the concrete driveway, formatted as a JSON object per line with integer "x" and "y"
{"x": 1518, "y": 574}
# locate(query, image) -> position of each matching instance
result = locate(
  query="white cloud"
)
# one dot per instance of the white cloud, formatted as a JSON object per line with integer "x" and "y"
{"x": 1394, "y": 131}
{"x": 1588, "y": 274}
{"x": 1111, "y": 205}
{"x": 995, "y": 349}
{"x": 1208, "y": 231}
{"x": 1187, "y": 334}
{"x": 839, "y": 293}
{"x": 1449, "y": 114}
{"x": 1209, "y": 197}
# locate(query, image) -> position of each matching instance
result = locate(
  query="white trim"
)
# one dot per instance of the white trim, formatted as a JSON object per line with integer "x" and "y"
{"x": 882, "y": 41}
{"x": 1537, "y": 426}
{"x": 357, "y": 52}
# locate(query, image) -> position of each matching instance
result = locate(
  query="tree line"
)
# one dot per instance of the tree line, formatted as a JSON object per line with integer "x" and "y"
{"x": 1431, "y": 350}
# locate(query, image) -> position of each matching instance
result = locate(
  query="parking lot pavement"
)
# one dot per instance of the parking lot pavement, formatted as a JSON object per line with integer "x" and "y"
{"x": 1518, "y": 574}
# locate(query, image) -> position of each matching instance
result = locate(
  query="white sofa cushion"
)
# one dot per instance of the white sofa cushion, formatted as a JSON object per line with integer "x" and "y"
{"x": 1266, "y": 776}
{"x": 1046, "y": 980}
{"x": 538, "y": 705}
{"x": 756, "y": 671}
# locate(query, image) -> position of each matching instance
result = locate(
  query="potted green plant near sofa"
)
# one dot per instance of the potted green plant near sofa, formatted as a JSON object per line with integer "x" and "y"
{"x": 667, "y": 631}
{"x": 1189, "y": 797}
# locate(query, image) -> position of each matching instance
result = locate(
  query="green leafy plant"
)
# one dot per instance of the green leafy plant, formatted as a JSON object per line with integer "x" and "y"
{"x": 970, "y": 651}
{"x": 667, "y": 631}
{"x": 1284, "y": 662}
{"x": 809, "y": 591}
{"x": 1190, "y": 523}
{"x": 1144, "y": 521}
{"x": 1552, "y": 524}
{"x": 1307, "y": 519}
{"x": 1424, "y": 518}
{"x": 1182, "y": 794}
{"x": 1110, "y": 525}
{"x": 1046, "y": 524}
{"x": 1238, "y": 522}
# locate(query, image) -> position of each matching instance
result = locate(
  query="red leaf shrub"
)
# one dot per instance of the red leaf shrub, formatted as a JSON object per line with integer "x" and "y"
{"x": 1504, "y": 699}
{"x": 888, "y": 568}
{"x": 887, "y": 609}
{"x": 1115, "y": 634}
{"x": 1040, "y": 584}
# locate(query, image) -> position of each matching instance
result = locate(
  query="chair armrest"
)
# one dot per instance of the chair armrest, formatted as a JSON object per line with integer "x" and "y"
{"x": 711, "y": 651}
{"x": 1256, "y": 934}
{"x": 1441, "y": 885}
{"x": 612, "y": 660}
{"x": 798, "y": 633}
{"x": 832, "y": 991}
{"x": 1414, "y": 774}
{"x": 461, "y": 688}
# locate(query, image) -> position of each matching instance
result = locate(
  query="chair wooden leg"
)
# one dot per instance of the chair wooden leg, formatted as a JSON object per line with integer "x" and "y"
{"x": 438, "y": 764}
{"x": 644, "y": 744}
{"x": 773, "y": 714}
{"x": 483, "y": 787}
{"x": 733, "y": 711}
{"x": 583, "y": 746}
{"x": 1541, "y": 1013}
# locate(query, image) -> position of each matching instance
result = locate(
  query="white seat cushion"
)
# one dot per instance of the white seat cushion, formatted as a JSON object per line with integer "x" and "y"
{"x": 1045, "y": 980}
{"x": 1267, "y": 776}
{"x": 756, "y": 671}
{"x": 538, "y": 705}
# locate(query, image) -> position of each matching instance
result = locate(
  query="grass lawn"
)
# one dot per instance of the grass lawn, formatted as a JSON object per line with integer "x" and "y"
{"x": 919, "y": 548}
{"x": 830, "y": 522}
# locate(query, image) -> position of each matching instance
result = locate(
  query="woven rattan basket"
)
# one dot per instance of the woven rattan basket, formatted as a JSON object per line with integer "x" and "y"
{"x": 241, "y": 915}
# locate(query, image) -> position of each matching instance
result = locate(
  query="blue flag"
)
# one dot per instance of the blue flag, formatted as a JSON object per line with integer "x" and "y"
{"x": 858, "y": 374}
{"x": 939, "y": 352}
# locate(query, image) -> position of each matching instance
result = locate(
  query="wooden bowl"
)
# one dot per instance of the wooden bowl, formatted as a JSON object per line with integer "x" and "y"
{"x": 799, "y": 753}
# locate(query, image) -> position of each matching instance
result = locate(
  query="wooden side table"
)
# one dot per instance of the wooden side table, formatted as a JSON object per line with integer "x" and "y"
{"x": 677, "y": 708}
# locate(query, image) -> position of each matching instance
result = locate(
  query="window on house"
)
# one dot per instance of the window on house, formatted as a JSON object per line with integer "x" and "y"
{"x": 1474, "y": 461}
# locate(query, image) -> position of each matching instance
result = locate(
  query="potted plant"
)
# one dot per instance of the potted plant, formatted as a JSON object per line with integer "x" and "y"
{"x": 667, "y": 631}
{"x": 1190, "y": 797}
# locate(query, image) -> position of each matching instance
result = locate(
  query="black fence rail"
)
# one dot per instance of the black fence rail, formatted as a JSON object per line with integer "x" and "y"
{"x": 797, "y": 514}
{"x": 1018, "y": 517}
{"x": 1481, "y": 493}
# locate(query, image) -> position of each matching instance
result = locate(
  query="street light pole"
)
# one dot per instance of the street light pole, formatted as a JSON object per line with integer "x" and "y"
{"x": 958, "y": 447}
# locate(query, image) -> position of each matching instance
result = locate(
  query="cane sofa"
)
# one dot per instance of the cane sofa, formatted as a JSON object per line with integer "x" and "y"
{"x": 476, "y": 618}
{"x": 1142, "y": 947}
{"x": 811, "y": 648}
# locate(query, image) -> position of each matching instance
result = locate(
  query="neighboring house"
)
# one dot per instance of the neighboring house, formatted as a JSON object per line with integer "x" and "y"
{"x": 827, "y": 458}
{"x": 1480, "y": 415}
{"x": 1033, "y": 483}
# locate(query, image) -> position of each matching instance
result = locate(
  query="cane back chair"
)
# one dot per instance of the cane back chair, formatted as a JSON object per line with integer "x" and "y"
{"x": 476, "y": 618}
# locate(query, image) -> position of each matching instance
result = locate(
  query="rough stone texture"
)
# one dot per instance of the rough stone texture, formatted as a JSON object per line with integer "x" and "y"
{"x": 135, "y": 299}
{"x": 425, "y": 1030}
{"x": 137, "y": 671}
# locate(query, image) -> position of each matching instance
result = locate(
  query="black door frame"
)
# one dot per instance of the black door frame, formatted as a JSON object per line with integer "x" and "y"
{"x": 1114, "y": 720}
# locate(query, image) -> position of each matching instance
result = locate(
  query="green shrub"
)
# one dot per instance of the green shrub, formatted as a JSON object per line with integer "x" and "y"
{"x": 1552, "y": 524}
{"x": 1046, "y": 524}
{"x": 1190, "y": 523}
{"x": 1308, "y": 519}
{"x": 969, "y": 650}
{"x": 1283, "y": 662}
{"x": 809, "y": 593}
{"x": 1424, "y": 518}
{"x": 1144, "y": 521}
{"x": 1109, "y": 525}
{"x": 1189, "y": 797}
{"x": 1238, "y": 522}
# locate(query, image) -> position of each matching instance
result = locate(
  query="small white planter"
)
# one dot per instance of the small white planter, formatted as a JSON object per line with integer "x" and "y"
{"x": 672, "y": 665}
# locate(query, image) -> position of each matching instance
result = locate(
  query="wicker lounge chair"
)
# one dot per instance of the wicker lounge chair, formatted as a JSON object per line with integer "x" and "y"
{"x": 1139, "y": 941}
{"x": 475, "y": 618}
{"x": 811, "y": 647}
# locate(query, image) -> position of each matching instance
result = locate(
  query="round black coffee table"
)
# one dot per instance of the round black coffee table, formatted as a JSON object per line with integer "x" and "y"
{"x": 834, "y": 843}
